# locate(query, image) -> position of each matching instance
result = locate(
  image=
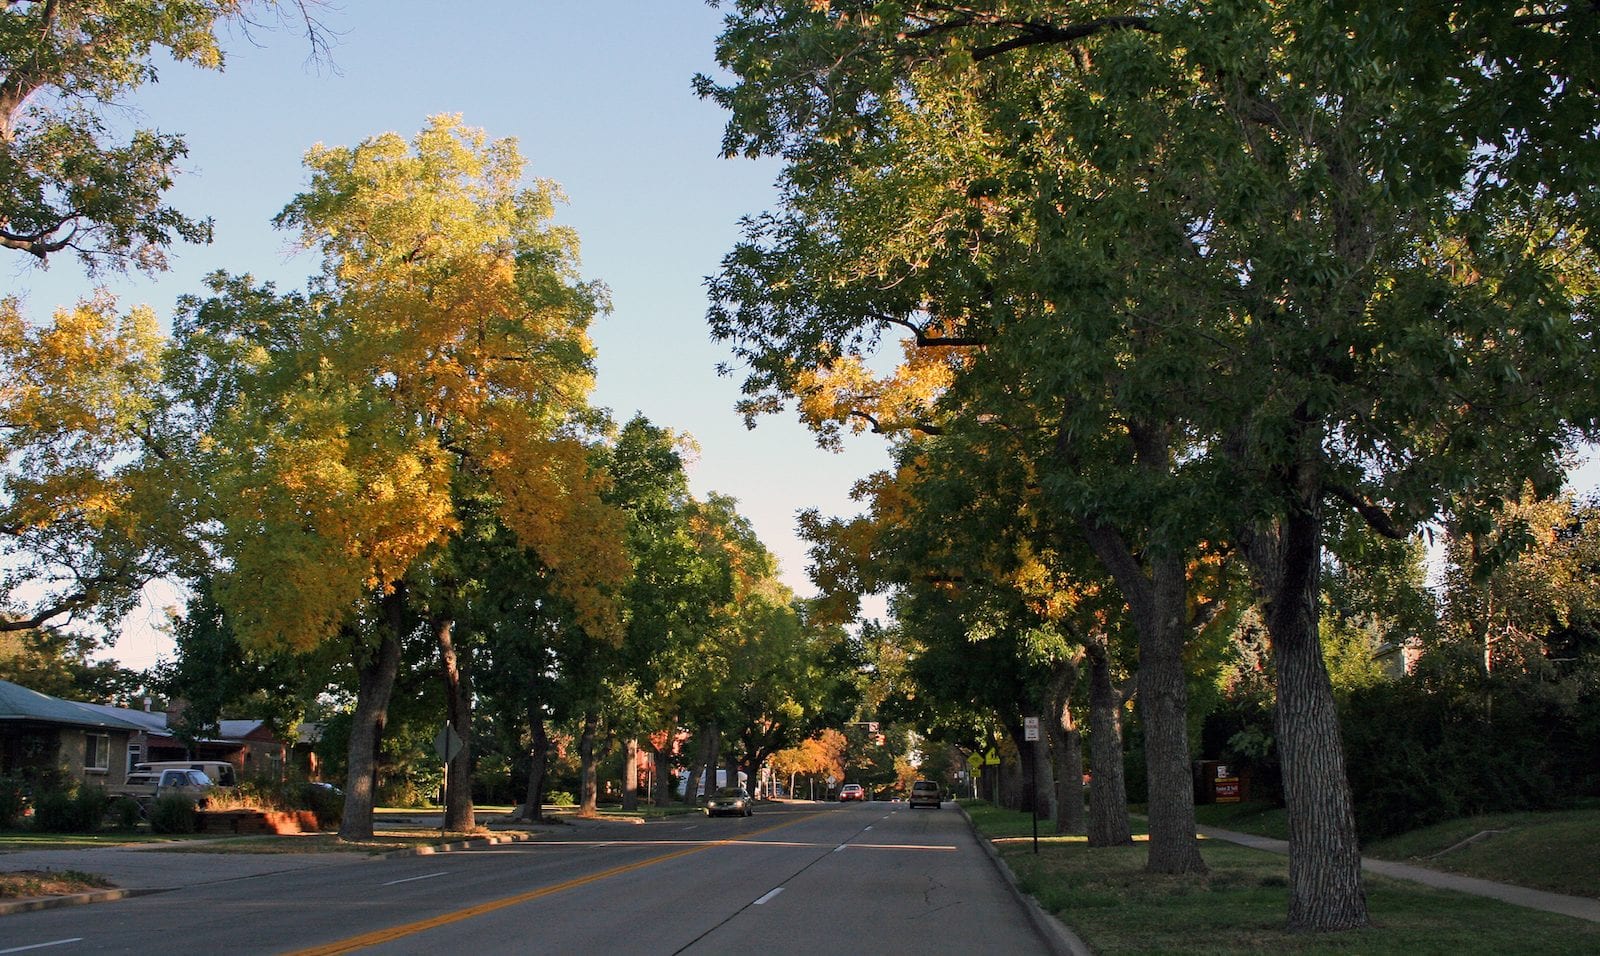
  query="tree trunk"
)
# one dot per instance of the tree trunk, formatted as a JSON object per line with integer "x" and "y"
{"x": 630, "y": 774}
{"x": 1164, "y": 713}
{"x": 458, "y": 811}
{"x": 375, "y": 676}
{"x": 1066, "y": 748}
{"x": 1154, "y": 583}
{"x": 1325, "y": 890}
{"x": 663, "y": 763}
{"x": 1108, "y": 792}
{"x": 589, "y": 802}
{"x": 538, "y": 760}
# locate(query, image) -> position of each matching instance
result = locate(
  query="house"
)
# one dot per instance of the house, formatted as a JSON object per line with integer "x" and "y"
{"x": 99, "y": 743}
{"x": 43, "y": 736}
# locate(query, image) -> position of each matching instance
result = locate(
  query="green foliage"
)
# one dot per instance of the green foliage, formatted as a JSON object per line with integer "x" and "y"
{"x": 70, "y": 809}
{"x": 560, "y": 798}
{"x": 12, "y": 800}
{"x": 125, "y": 813}
{"x": 65, "y": 182}
{"x": 173, "y": 815}
{"x": 1421, "y": 751}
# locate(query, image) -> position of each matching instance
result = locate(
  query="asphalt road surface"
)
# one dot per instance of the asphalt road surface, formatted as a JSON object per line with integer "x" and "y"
{"x": 800, "y": 878}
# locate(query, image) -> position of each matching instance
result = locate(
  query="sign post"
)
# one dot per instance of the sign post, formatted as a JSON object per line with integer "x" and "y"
{"x": 1030, "y": 733}
{"x": 447, "y": 745}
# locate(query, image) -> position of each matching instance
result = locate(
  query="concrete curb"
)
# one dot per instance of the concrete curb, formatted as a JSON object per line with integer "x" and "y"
{"x": 1060, "y": 939}
{"x": 72, "y": 899}
{"x": 467, "y": 844}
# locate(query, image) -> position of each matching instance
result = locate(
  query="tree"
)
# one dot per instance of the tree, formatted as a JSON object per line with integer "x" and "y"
{"x": 1284, "y": 257}
{"x": 445, "y": 336}
{"x": 66, "y": 182}
{"x": 87, "y": 510}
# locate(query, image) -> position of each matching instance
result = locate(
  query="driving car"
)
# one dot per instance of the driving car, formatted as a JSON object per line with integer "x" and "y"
{"x": 730, "y": 801}
{"x": 851, "y": 791}
{"x": 925, "y": 793}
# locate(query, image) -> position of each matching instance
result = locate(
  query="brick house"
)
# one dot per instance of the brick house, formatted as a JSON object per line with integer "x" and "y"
{"x": 42, "y": 735}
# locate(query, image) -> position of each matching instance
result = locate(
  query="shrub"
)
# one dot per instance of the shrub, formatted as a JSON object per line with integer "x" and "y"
{"x": 326, "y": 803}
{"x": 560, "y": 798}
{"x": 11, "y": 801}
{"x": 54, "y": 811}
{"x": 124, "y": 813}
{"x": 173, "y": 815}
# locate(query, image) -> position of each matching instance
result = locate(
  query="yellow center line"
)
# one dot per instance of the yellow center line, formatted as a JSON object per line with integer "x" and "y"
{"x": 393, "y": 933}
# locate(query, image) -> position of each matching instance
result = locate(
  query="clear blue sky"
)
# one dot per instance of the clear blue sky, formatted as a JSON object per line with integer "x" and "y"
{"x": 597, "y": 93}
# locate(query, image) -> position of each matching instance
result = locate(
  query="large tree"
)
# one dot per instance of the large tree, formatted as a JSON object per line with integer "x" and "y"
{"x": 446, "y": 335}
{"x": 1290, "y": 256}
{"x": 67, "y": 181}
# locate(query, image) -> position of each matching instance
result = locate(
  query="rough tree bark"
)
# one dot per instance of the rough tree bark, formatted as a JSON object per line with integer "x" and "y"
{"x": 1108, "y": 791}
{"x": 375, "y": 675}
{"x": 1066, "y": 747}
{"x": 589, "y": 802}
{"x": 538, "y": 760}
{"x": 458, "y": 811}
{"x": 630, "y": 774}
{"x": 1285, "y": 556}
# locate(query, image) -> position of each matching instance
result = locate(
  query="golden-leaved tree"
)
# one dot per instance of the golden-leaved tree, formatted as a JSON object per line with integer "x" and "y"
{"x": 445, "y": 338}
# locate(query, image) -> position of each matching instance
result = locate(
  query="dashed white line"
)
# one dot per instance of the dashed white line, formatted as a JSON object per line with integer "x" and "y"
{"x": 769, "y": 896}
{"x": 54, "y": 942}
{"x": 413, "y": 879}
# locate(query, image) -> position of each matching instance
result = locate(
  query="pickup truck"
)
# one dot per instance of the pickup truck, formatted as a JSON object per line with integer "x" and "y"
{"x": 147, "y": 786}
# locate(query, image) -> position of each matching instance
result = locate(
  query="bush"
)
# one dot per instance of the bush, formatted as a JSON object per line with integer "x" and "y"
{"x": 54, "y": 811}
{"x": 11, "y": 801}
{"x": 125, "y": 813}
{"x": 173, "y": 815}
{"x": 560, "y": 798}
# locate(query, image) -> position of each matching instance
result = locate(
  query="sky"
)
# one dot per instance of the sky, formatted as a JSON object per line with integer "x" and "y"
{"x": 597, "y": 94}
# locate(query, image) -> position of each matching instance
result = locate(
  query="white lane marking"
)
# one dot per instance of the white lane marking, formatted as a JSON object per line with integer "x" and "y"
{"x": 769, "y": 896}
{"x": 840, "y": 847}
{"x": 413, "y": 879}
{"x": 866, "y": 828}
{"x": 56, "y": 942}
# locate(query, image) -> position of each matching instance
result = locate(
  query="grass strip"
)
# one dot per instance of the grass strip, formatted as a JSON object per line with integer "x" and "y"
{"x": 1241, "y": 906}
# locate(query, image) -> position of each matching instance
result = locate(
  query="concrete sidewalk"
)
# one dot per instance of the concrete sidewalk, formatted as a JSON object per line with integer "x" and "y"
{"x": 1579, "y": 907}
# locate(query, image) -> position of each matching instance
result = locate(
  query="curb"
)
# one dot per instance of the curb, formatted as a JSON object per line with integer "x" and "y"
{"x": 1058, "y": 937}
{"x": 72, "y": 899}
{"x": 467, "y": 844}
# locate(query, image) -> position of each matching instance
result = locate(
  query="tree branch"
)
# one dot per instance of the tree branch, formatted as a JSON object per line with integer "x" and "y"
{"x": 1376, "y": 517}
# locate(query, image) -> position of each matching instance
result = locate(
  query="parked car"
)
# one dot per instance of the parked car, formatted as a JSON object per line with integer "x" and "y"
{"x": 730, "y": 801}
{"x": 851, "y": 791}
{"x": 149, "y": 785}
{"x": 926, "y": 793}
{"x": 221, "y": 772}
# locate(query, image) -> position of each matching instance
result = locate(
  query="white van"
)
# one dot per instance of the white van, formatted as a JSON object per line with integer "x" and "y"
{"x": 221, "y": 772}
{"x": 722, "y": 781}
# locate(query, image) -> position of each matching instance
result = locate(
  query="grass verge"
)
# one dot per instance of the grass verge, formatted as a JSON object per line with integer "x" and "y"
{"x": 1558, "y": 852}
{"x": 1242, "y": 904}
{"x": 31, "y": 884}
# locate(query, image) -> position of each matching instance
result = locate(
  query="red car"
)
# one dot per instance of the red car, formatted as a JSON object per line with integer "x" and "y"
{"x": 851, "y": 791}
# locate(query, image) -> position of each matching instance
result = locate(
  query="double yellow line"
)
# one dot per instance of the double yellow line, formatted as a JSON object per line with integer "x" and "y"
{"x": 393, "y": 933}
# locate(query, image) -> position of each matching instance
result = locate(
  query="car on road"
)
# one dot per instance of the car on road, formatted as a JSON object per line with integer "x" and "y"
{"x": 731, "y": 802}
{"x": 926, "y": 793}
{"x": 851, "y": 791}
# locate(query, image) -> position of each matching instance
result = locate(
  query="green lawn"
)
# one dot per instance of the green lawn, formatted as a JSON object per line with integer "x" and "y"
{"x": 1241, "y": 905}
{"x": 1555, "y": 851}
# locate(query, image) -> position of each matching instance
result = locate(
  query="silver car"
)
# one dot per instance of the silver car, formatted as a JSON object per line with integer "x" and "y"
{"x": 730, "y": 801}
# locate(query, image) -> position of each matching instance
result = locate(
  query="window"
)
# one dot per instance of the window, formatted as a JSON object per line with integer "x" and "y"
{"x": 96, "y": 752}
{"x": 135, "y": 754}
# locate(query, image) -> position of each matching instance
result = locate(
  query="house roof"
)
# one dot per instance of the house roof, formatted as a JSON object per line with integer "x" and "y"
{"x": 18, "y": 703}
{"x": 154, "y": 722}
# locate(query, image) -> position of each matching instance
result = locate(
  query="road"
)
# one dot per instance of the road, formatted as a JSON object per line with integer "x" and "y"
{"x": 863, "y": 877}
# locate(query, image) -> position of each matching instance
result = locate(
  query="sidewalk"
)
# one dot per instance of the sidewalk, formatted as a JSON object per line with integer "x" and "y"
{"x": 1579, "y": 907}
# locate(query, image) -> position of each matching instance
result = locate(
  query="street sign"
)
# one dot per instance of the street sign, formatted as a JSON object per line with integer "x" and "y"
{"x": 1030, "y": 728}
{"x": 448, "y": 743}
